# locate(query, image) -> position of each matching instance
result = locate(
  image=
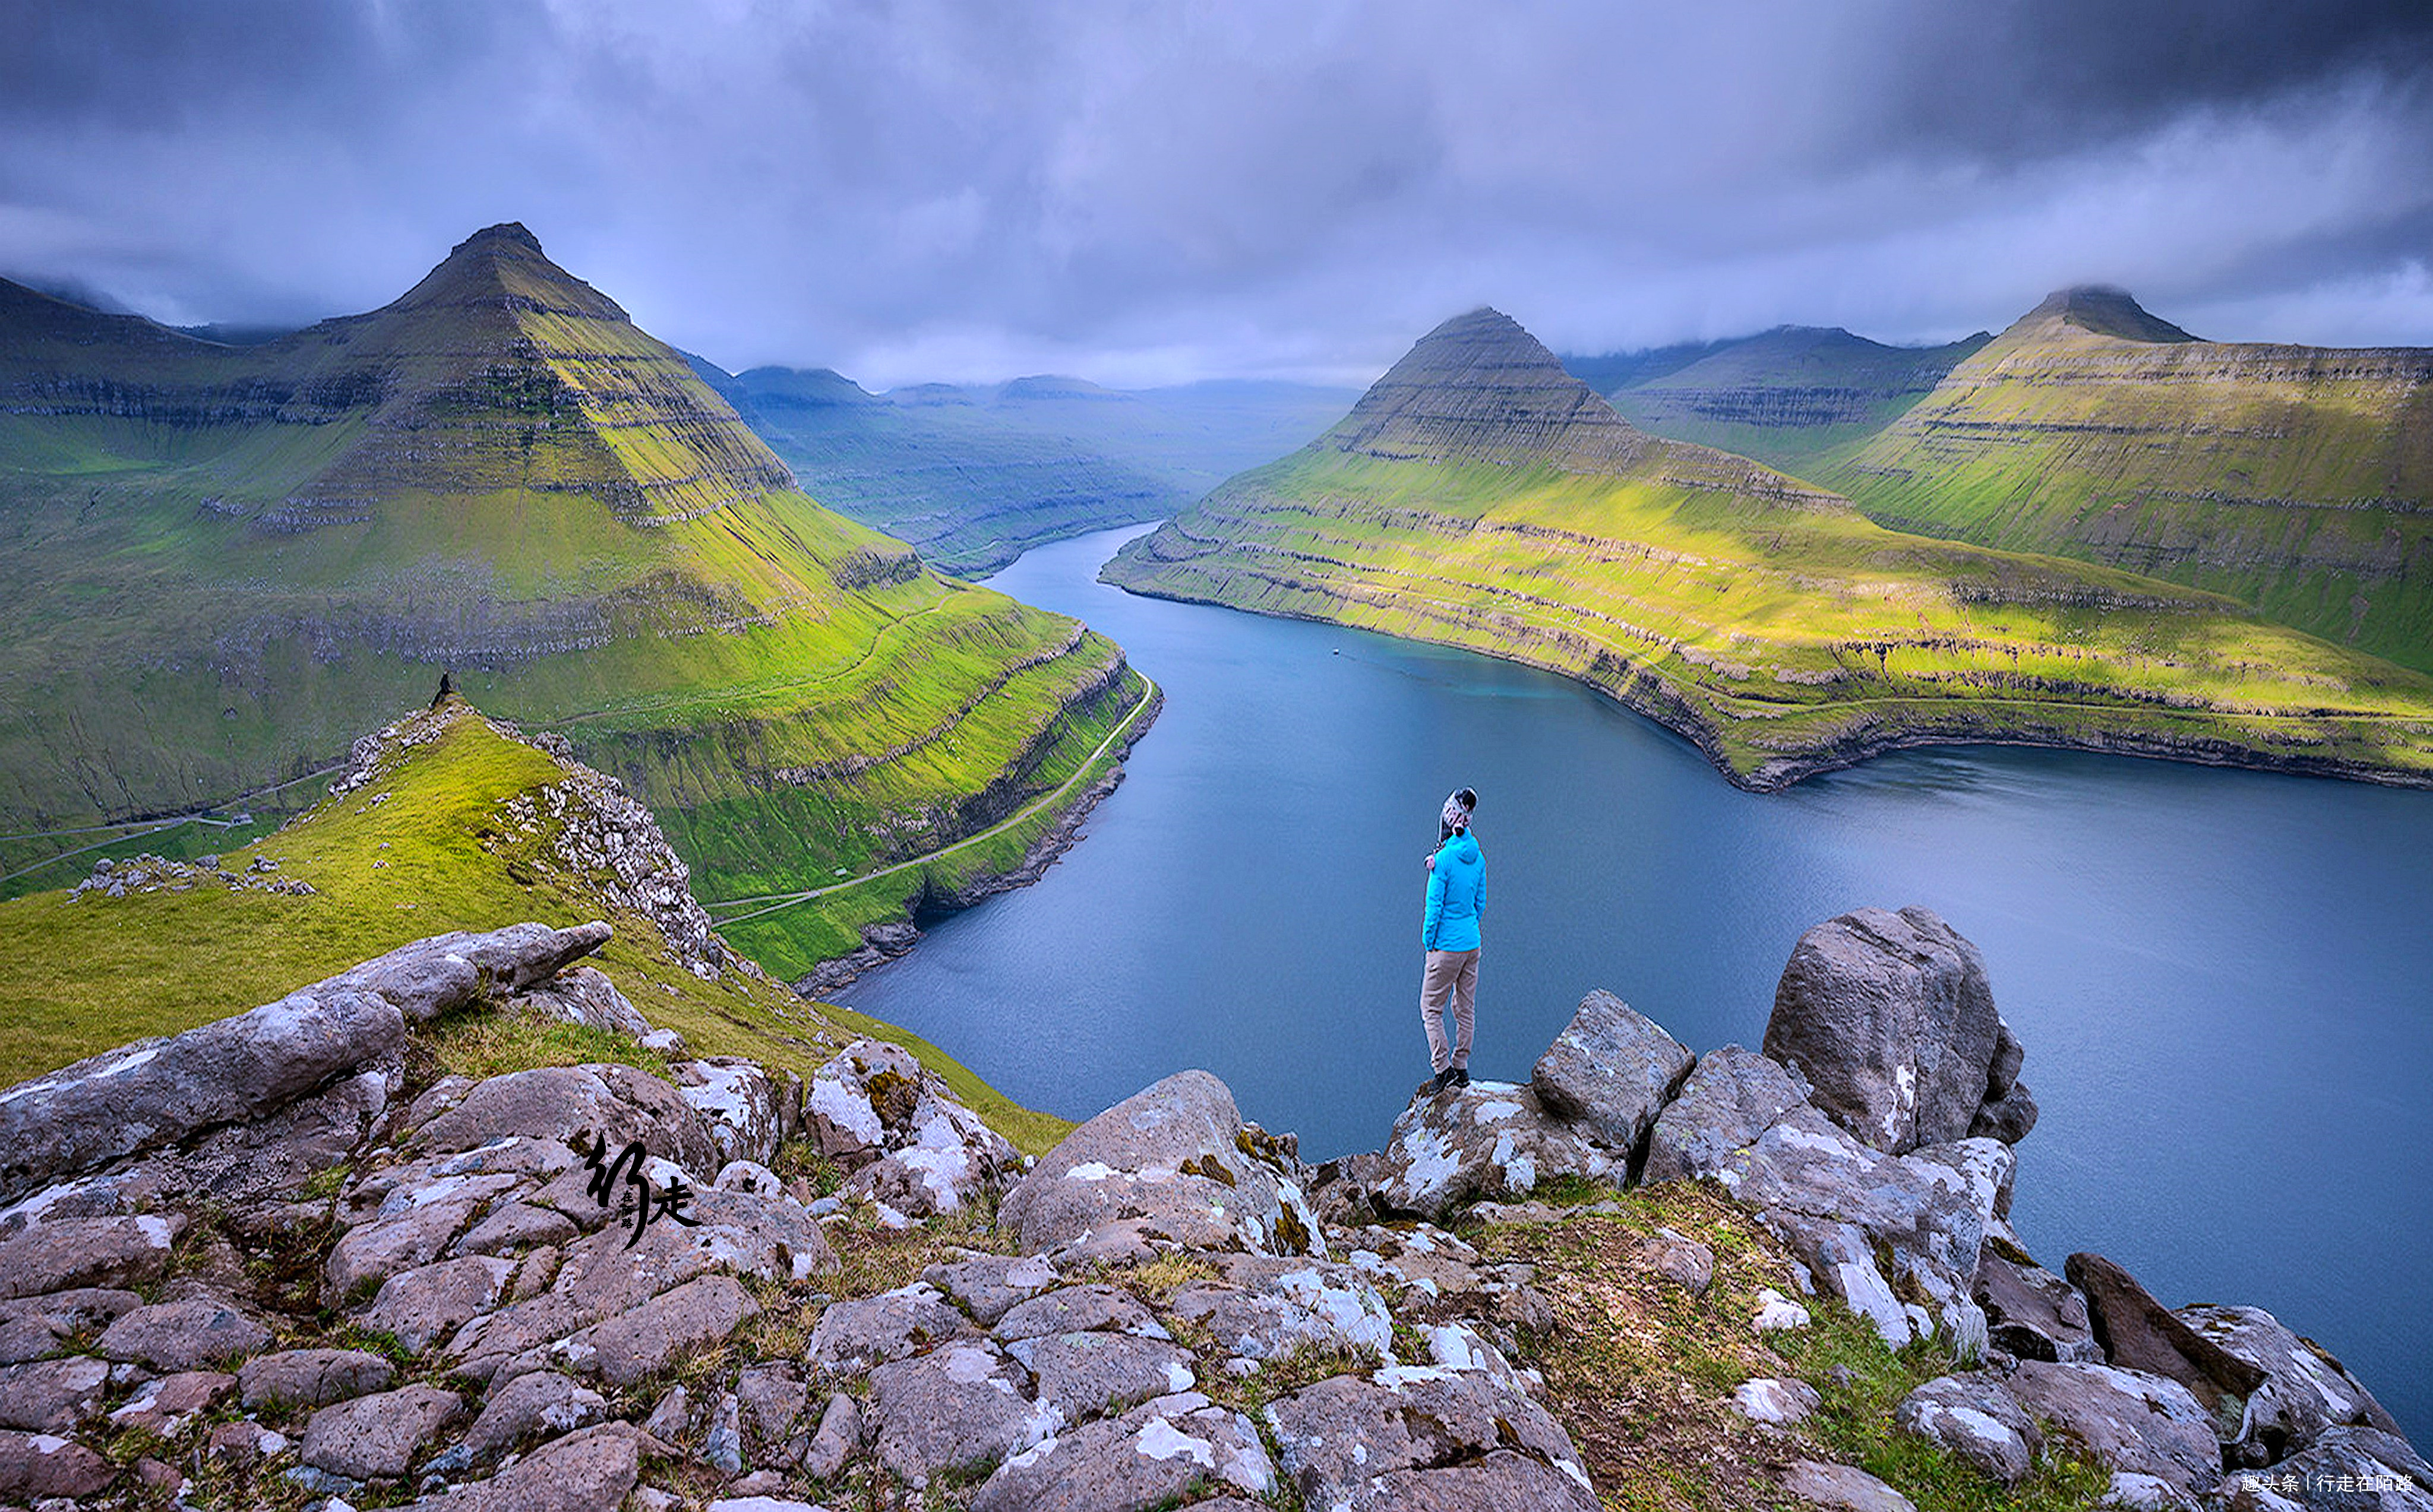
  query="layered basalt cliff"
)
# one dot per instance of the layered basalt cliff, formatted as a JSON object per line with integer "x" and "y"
{"x": 2297, "y": 479}
{"x": 1482, "y": 498}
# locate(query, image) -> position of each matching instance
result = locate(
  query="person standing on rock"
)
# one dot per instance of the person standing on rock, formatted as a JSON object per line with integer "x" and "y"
{"x": 1449, "y": 934}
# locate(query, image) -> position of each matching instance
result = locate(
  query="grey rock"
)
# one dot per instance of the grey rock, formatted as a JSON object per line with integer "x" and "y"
{"x": 957, "y": 1407}
{"x": 1611, "y": 1070}
{"x": 1397, "y": 1438}
{"x": 2123, "y": 1419}
{"x": 378, "y": 1435}
{"x": 165, "y": 1404}
{"x": 313, "y": 1378}
{"x": 1678, "y": 1259}
{"x": 558, "y": 1103}
{"x": 1490, "y": 1139}
{"x": 1084, "y": 1374}
{"x": 183, "y": 1335}
{"x": 738, "y": 1102}
{"x": 584, "y": 996}
{"x": 1149, "y": 1457}
{"x": 1891, "y": 1019}
{"x": 537, "y": 1404}
{"x": 2008, "y": 1118}
{"x": 837, "y": 1442}
{"x": 77, "y": 1310}
{"x": 2348, "y": 1470}
{"x": 34, "y": 1466}
{"x": 78, "y": 1254}
{"x": 1776, "y": 1399}
{"x": 2138, "y": 1332}
{"x": 2305, "y": 1391}
{"x": 772, "y": 1398}
{"x": 431, "y": 977}
{"x": 1730, "y": 1097}
{"x": 53, "y": 1396}
{"x": 1073, "y": 1309}
{"x": 420, "y": 1306}
{"x": 368, "y": 1254}
{"x": 672, "y": 1420}
{"x": 1264, "y": 1308}
{"x": 1841, "y": 1488}
{"x": 1169, "y": 1165}
{"x": 510, "y": 1227}
{"x": 989, "y": 1285}
{"x": 852, "y": 1336}
{"x": 1975, "y": 1417}
{"x": 591, "y": 1471}
{"x": 721, "y": 1448}
{"x": 2032, "y": 1313}
{"x": 650, "y": 1337}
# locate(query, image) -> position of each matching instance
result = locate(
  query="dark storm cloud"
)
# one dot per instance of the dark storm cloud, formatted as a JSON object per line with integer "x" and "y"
{"x": 1169, "y": 189}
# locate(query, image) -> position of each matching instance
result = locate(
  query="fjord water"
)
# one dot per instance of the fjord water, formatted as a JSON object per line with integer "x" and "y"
{"x": 2224, "y": 979}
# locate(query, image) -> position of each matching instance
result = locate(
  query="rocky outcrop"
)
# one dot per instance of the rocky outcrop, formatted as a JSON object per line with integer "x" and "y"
{"x": 1891, "y": 1019}
{"x": 1611, "y": 1071}
{"x": 1490, "y": 1139}
{"x": 900, "y": 1131}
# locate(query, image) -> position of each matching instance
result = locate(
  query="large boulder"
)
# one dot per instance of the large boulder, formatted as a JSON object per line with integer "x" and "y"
{"x": 2348, "y": 1470}
{"x": 2305, "y": 1392}
{"x": 1610, "y": 1071}
{"x": 1150, "y": 1456}
{"x": 1975, "y": 1417}
{"x": 1891, "y": 1019}
{"x": 1490, "y": 1139}
{"x": 2030, "y": 1311}
{"x": 1170, "y": 1166}
{"x": 1730, "y": 1097}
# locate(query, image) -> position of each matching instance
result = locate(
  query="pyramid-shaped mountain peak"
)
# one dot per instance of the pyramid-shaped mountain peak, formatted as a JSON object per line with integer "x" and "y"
{"x": 2106, "y": 310}
{"x": 1480, "y": 388}
{"x": 503, "y": 267}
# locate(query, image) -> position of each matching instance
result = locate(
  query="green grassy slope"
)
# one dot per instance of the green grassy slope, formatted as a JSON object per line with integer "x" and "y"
{"x": 974, "y": 477}
{"x": 1479, "y": 497}
{"x": 1786, "y": 397}
{"x": 430, "y": 844}
{"x": 2298, "y": 480}
{"x": 219, "y": 565}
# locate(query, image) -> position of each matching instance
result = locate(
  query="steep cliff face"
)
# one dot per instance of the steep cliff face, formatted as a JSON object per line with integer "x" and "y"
{"x": 1479, "y": 496}
{"x": 220, "y": 563}
{"x": 2297, "y": 479}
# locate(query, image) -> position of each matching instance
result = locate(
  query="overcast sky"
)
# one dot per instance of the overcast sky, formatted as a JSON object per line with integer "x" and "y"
{"x": 1144, "y": 191}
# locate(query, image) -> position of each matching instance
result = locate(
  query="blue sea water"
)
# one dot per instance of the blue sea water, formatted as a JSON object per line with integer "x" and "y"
{"x": 2224, "y": 979}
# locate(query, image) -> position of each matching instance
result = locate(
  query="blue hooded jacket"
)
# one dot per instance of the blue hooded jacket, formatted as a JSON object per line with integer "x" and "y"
{"x": 1456, "y": 896}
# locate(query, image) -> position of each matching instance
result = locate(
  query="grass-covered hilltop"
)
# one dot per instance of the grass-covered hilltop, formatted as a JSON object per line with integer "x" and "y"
{"x": 220, "y": 564}
{"x": 2298, "y": 480}
{"x": 1479, "y": 496}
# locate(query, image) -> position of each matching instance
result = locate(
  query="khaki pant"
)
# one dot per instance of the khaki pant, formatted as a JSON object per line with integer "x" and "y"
{"x": 1451, "y": 975}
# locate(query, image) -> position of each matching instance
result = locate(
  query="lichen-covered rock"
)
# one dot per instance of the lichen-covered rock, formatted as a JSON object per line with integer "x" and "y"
{"x": 2305, "y": 1392}
{"x": 64, "y": 1254}
{"x": 740, "y": 1103}
{"x": 1975, "y": 1417}
{"x": 1776, "y": 1399}
{"x": 420, "y": 1306}
{"x": 1170, "y": 1166}
{"x": 900, "y": 1129}
{"x": 1149, "y": 1457}
{"x": 959, "y": 1407}
{"x": 1490, "y": 1139}
{"x": 51, "y": 1396}
{"x": 537, "y": 1403}
{"x": 165, "y": 1404}
{"x": 1264, "y": 1308}
{"x": 2123, "y": 1419}
{"x": 852, "y": 1336}
{"x": 1891, "y": 1019}
{"x": 1076, "y": 1309}
{"x": 990, "y": 1285}
{"x": 1611, "y": 1071}
{"x": 1084, "y": 1373}
{"x": 558, "y": 1103}
{"x": 1729, "y": 1097}
{"x": 591, "y": 1471}
{"x": 584, "y": 996}
{"x": 2347, "y": 1470}
{"x": 1841, "y": 1487}
{"x": 1440, "y": 1435}
{"x": 34, "y": 1467}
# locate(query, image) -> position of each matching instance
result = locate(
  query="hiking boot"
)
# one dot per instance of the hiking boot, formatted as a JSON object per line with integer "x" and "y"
{"x": 1436, "y": 1083}
{"x": 1458, "y": 1077}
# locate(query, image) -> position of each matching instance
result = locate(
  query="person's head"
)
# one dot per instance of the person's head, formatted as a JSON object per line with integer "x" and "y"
{"x": 1455, "y": 818}
{"x": 1468, "y": 800}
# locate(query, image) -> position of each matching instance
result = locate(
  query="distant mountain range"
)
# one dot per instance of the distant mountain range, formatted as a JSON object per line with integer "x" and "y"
{"x": 973, "y": 476}
{"x": 219, "y": 564}
{"x": 1480, "y": 496}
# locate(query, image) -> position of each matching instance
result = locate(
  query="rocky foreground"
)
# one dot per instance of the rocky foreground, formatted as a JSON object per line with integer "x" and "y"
{"x": 280, "y": 1261}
